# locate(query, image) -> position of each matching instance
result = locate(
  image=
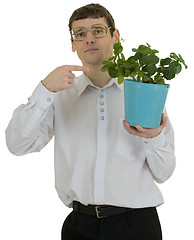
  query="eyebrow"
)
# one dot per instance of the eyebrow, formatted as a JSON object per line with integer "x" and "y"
{"x": 91, "y": 26}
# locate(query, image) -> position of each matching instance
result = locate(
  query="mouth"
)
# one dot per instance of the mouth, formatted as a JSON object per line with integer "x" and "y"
{"x": 91, "y": 49}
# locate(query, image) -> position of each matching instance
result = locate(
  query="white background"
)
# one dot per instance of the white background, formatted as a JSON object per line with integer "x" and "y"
{"x": 34, "y": 41}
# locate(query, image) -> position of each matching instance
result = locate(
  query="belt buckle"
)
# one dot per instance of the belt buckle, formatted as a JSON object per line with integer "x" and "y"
{"x": 97, "y": 208}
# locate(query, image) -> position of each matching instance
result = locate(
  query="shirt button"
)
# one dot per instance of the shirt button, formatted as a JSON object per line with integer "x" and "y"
{"x": 101, "y": 95}
{"x": 101, "y": 103}
{"x": 102, "y": 118}
{"x": 49, "y": 99}
{"x": 102, "y": 109}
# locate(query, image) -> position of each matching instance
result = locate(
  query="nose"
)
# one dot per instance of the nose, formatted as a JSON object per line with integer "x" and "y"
{"x": 89, "y": 38}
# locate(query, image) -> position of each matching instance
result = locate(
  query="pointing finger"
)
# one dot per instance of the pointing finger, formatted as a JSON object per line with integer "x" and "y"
{"x": 76, "y": 68}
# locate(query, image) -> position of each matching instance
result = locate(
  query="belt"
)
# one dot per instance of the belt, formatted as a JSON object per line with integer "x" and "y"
{"x": 99, "y": 211}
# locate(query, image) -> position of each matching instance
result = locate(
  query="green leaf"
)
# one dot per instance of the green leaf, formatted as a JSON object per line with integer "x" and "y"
{"x": 131, "y": 59}
{"x": 137, "y": 56}
{"x": 146, "y": 77}
{"x": 152, "y": 59}
{"x": 182, "y": 61}
{"x": 119, "y": 62}
{"x": 161, "y": 82}
{"x": 174, "y": 56}
{"x": 110, "y": 59}
{"x": 127, "y": 65}
{"x": 175, "y": 67}
{"x": 127, "y": 73}
{"x": 140, "y": 74}
{"x": 121, "y": 71}
{"x": 123, "y": 57}
{"x": 133, "y": 74}
{"x": 165, "y": 61}
{"x": 155, "y": 51}
{"x": 143, "y": 60}
{"x": 105, "y": 68}
{"x": 120, "y": 79}
{"x": 159, "y": 79}
{"x": 168, "y": 75}
{"x": 143, "y": 49}
{"x": 117, "y": 48}
{"x": 134, "y": 50}
{"x": 150, "y": 69}
{"x": 113, "y": 72}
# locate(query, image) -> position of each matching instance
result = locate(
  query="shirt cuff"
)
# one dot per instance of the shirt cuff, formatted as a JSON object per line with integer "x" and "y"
{"x": 43, "y": 96}
{"x": 158, "y": 141}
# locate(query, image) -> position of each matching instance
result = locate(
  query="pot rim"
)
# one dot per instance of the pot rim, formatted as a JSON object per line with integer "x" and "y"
{"x": 135, "y": 82}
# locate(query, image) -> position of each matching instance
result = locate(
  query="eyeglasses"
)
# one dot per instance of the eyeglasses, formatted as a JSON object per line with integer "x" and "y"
{"x": 97, "y": 31}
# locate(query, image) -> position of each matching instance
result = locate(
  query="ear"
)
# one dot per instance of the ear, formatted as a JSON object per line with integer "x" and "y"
{"x": 116, "y": 36}
{"x": 73, "y": 45}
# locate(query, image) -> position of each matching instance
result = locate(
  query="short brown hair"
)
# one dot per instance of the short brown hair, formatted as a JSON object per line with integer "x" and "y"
{"x": 93, "y": 11}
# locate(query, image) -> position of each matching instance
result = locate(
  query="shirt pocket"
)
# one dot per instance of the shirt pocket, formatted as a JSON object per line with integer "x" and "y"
{"x": 129, "y": 146}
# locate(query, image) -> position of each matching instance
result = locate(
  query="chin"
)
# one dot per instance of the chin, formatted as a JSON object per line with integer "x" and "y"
{"x": 94, "y": 61}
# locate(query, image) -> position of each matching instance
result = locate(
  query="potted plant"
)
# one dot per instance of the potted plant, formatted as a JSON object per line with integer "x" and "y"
{"x": 144, "y": 75}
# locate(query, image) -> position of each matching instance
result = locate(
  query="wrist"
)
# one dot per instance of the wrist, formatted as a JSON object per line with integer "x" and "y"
{"x": 45, "y": 84}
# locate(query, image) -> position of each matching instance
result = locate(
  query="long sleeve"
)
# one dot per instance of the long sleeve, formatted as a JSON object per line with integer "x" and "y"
{"x": 31, "y": 126}
{"x": 160, "y": 154}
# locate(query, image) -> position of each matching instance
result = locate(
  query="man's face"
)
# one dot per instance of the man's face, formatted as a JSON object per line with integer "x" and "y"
{"x": 91, "y": 50}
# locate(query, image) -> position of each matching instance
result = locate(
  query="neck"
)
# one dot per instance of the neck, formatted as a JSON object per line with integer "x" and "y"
{"x": 98, "y": 78}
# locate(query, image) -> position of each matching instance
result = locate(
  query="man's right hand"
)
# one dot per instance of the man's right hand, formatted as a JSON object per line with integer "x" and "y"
{"x": 62, "y": 78}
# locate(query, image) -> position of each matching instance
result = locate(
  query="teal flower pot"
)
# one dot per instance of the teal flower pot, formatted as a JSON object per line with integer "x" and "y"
{"x": 144, "y": 103}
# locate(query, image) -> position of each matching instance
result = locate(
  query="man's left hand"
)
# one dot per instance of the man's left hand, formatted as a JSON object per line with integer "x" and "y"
{"x": 146, "y": 132}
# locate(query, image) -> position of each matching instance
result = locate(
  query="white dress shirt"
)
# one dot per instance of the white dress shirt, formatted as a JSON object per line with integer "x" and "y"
{"x": 96, "y": 160}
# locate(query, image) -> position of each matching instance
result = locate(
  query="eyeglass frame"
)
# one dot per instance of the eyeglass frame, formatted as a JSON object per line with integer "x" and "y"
{"x": 89, "y": 30}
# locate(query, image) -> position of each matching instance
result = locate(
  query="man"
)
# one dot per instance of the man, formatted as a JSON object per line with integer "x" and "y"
{"x": 105, "y": 169}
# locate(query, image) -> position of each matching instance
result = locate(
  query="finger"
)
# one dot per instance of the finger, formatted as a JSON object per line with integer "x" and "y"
{"x": 76, "y": 68}
{"x": 70, "y": 86}
{"x": 130, "y": 129}
{"x": 69, "y": 75}
{"x": 164, "y": 120}
{"x": 140, "y": 129}
{"x": 70, "y": 81}
{"x": 126, "y": 124}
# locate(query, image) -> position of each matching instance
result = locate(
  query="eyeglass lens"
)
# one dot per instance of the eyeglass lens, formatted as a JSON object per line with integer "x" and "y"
{"x": 97, "y": 31}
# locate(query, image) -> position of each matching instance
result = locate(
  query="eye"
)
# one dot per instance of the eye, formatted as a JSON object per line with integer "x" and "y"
{"x": 80, "y": 33}
{"x": 98, "y": 30}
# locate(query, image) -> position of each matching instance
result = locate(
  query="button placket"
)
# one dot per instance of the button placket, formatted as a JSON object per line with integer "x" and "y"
{"x": 101, "y": 104}
{"x": 101, "y": 148}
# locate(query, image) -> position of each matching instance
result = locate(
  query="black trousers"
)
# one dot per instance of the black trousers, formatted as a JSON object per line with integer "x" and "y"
{"x": 139, "y": 224}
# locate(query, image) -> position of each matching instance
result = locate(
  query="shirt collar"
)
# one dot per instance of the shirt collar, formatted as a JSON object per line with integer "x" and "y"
{"x": 84, "y": 82}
